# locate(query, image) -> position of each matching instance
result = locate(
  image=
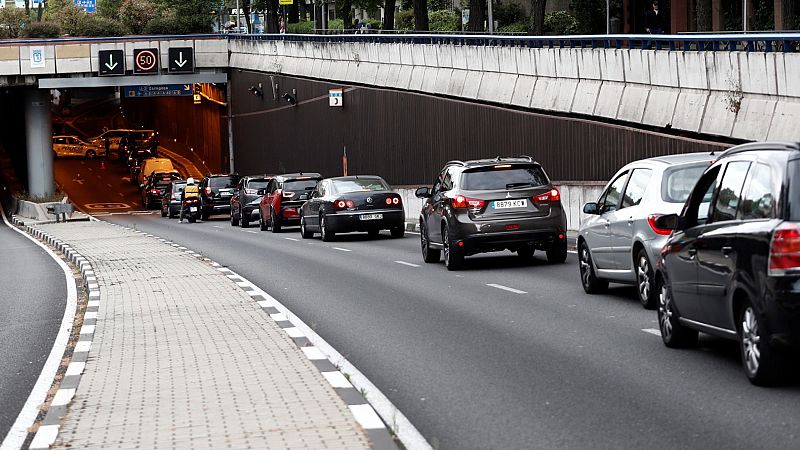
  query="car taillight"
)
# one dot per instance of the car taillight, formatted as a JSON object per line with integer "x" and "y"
{"x": 461, "y": 202}
{"x": 208, "y": 190}
{"x": 155, "y": 191}
{"x": 651, "y": 220}
{"x": 784, "y": 250}
{"x": 288, "y": 194}
{"x": 548, "y": 197}
{"x": 342, "y": 204}
{"x": 392, "y": 200}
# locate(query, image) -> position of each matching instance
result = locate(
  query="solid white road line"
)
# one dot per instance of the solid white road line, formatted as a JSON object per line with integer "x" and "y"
{"x": 341, "y": 249}
{"x": 252, "y": 232}
{"x": 291, "y": 239}
{"x": 506, "y": 288}
{"x": 19, "y": 430}
{"x": 407, "y": 264}
{"x": 652, "y": 331}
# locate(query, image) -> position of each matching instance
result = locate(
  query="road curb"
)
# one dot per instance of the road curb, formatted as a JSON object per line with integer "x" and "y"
{"x": 48, "y": 430}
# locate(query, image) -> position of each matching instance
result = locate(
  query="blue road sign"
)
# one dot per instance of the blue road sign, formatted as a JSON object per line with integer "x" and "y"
{"x": 89, "y": 6}
{"x": 158, "y": 90}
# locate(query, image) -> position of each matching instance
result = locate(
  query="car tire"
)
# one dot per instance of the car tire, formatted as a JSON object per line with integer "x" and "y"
{"x": 673, "y": 333}
{"x": 204, "y": 216}
{"x": 453, "y": 258}
{"x": 192, "y": 219}
{"x": 429, "y": 255}
{"x": 261, "y": 224}
{"x": 305, "y": 233}
{"x": 762, "y": 365}
{"x": 324, "y": 232}
{"x": 274, "y": 222}
{"x": 557, "y": 253}
{"x": 398, "y": 232}
{"x": 91, "y": 154}
{"x": 243, "y": 222}
{"x": 234, "y": 220}
{"x": 644, "y": 281}
{"x": 591, "y": 284}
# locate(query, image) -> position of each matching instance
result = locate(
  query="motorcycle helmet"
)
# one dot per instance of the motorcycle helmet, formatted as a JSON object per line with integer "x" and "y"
{"x": 190, "y": 181}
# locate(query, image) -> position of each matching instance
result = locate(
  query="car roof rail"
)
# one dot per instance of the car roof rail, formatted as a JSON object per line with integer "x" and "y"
{"x": 529, "y": 158}
{"x": 455, "y": 162}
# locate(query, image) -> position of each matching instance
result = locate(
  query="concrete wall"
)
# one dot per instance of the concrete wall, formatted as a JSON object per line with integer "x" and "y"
{"x": 748, "y": 96}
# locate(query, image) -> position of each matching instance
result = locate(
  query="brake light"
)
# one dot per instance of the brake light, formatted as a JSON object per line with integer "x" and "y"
{"x": 342, "y": 204}
{"x": 502, "y": 166}
{"x": 651, "y": 220}
{"x": 392, "y": 200}
{"x": 155, "y": 191}
{"x": 512, "y": 227}
{"x": 461, "y": 202}
{"x": 784, "y": 250}
{"x": 548, "y": 197}
{"x": 288, "y": 194}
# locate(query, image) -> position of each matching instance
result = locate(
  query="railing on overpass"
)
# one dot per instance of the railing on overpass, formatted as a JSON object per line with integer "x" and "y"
{"x": 748, "y": 42}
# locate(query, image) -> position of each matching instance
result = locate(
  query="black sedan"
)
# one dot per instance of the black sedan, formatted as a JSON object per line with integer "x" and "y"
{"x": 348, "y": 204}
{"x": 153, "y": 190}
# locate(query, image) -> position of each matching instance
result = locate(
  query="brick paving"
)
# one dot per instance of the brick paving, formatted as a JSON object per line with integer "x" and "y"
{"x": 183, "y": 358}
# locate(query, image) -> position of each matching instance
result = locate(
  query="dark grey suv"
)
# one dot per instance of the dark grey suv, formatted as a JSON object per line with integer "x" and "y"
{"x": 492, "y": 205}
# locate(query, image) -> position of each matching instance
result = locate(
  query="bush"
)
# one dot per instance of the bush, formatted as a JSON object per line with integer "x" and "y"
{"x": 560, "y": 23}
{"x": 306, "y": 27}
{"x": 43, "y": 30}
{"x": 405, "y": 19}
{"x": 12, "y": 22}
{"x": 374, "y": 24}
{"x": 508, "y": 14}
{"x": 336, "y": 24}
{"x": 96, "y": 26}
{"x": 161, "y": 25}
{"x": 136, "y": 14}
{"x": 444, "y": 20}
{"x": 517, "y": 27}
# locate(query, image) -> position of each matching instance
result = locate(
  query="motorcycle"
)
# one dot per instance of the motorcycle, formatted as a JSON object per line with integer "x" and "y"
{"x": 191, "y": 209}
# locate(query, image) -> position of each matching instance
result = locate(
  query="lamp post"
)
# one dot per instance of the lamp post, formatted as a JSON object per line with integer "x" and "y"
{"x": 608, "y": 16}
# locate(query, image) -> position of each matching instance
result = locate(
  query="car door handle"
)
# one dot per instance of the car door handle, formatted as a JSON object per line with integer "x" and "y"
{"x": 727, "y": 250}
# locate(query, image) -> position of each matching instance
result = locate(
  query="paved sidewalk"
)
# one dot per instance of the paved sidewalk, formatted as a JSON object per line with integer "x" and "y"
{"x": 183, "y": 358}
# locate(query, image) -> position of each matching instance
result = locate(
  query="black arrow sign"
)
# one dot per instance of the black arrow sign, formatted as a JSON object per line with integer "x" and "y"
{"x": 112, "y": 62}
{"x": 181, "y": 60}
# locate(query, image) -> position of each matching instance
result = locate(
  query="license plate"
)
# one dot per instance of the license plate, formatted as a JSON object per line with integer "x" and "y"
{"x": 372, "y": 216}
{"x": 225, "y": 194}
{"x": 504, "y": 204}
{"x": 193, "y": 209}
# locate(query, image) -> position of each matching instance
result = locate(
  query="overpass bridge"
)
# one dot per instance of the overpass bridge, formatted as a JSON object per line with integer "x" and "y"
{"x": 601, "y": 100}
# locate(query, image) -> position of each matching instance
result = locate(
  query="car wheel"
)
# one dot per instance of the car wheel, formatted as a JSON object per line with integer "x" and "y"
{"x": 234, "y": 220}
{"x": 429, "y": 255}
{"x": 324, "y": 232}
{"x": 90, "y": 154}
{"x": 762, "y": 365}
{"x": 192, "y": 219}
{"x": 304, "y": 233}
{"x": 557, "y": 253}
{"x": 243, "y": 222}
{"x": 261, "y": 223}
{"x": 453, "y": 258}
{"x": 644, "y": 281}
{"x": 398, "y": 232}
{"x": 591, "y": 284}
{"x": 274, "y": 222}
{"x": 673, "y": 333}
{"x": 204, "y": 216}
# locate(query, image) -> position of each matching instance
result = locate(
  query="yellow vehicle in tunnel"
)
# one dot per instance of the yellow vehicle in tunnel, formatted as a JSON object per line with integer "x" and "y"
{"x": 71, "y": 146}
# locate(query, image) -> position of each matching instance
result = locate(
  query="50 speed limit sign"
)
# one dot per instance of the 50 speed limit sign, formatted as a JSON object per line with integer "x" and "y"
{"x": 145, "y": 60}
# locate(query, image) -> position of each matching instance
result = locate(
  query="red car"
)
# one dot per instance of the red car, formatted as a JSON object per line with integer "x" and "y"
{"x": 282, "y": 199}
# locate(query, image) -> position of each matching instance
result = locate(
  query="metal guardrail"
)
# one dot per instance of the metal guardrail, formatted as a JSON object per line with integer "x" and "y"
{"x": 96, "y": 40}
{"x": 748, "y": 42}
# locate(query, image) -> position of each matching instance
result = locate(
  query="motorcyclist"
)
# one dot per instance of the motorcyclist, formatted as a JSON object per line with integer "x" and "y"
{"x": 191, "y": 191}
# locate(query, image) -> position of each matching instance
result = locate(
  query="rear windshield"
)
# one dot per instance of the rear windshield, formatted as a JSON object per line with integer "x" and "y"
{"x": 678, "y": 182}
{"x": 360, "y": 185}
{"x": 299, "y": 185}
{"x": 223, "y": 182}
{"x": 792, "y": 190}
{"x": 491, "y": 178}
{"x": 259, "y": 183}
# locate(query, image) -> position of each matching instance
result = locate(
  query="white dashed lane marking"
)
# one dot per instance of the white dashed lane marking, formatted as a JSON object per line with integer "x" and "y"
{"x": 652, "y": 331}
{"x": 407, "y": 264}
{"x": 252, "y": 232}
{"x": 506, "y": 288}
{"x": 291, "y": 239}
{"x": 341, "y": 249}
{"x": 216, "y": 226}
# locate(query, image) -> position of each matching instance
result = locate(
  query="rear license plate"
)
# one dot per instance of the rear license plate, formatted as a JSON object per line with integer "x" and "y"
{"x": 372, "y": 217}
{"x": 193, "y": 209}
{"x": 504, "y": 204}
{"x": 225, "y": 194}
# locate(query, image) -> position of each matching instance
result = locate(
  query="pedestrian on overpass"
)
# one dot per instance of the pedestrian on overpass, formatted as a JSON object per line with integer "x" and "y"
{"x": 653, "y": 20}
{"x": 190, "y": 191}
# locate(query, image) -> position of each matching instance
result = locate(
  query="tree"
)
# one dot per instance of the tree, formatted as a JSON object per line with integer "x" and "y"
{"x": 704, "y": 15}
{"x": 136, "y": 14}
{"x": 343, "y": 11}
{"x": 421, "y": 15}
{"x": 537, "y": 16}
{"x": 388, "y": 14}
{"x": 476, "y": 15}
{"x": 107, "y": 8}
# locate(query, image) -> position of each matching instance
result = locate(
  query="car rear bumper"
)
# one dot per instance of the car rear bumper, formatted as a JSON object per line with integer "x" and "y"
{"x": 217, "y": 208}
{"x": 782, "y": 310}
{"x": 508, "y": 233}
{"x": 348, "y": 221}
{"x": 253, "y": 212}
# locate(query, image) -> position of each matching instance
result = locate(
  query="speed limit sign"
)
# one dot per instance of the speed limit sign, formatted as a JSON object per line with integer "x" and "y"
{"x": 145, "y": 60}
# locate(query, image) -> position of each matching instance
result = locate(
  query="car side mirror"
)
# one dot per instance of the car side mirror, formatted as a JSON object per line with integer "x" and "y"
{"x": 423, "y": 192}
{"x": 670, "y": 222}
{"x": 590, "y": 208}
{"x": 261, "y": 192}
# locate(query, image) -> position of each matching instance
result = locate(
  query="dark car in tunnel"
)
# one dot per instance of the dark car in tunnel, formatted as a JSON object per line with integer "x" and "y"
{"x": 216, "y": 191}
{"x": 156, "y": 186}
{"x": 350, "y": 204}
{"x": 245, "y": 199}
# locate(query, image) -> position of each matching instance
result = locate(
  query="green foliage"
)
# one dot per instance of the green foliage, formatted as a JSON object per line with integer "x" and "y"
{"x": 517, "y": 27}
{"x": 161, "y": 25}
{"x": 560, "y": 23}
{"x": 92, "y": 25}
{"x": 306, "y": 27}
{"x": 42, "y": 30}
{"x": 444, "y": 20}
{"x": 12, "y": 22}
{"x": 508, "y": 13}
{"x": 374, "y": 24}
{"x": 439, "y": 5}
{"x": 109, "y": 8}
{"x": 405, "y": 19}
{"x": 69, "y": 18}
{"x": 135, "y": 14}
{"x": 591, "y": 15}
{"x": 336, "y": 24}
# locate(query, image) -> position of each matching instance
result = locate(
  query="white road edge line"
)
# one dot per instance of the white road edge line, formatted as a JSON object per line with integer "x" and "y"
{"x": 341, "y": 249}
{"x": 407, "y": 264}
{"x": 506, "y": 288}
{"x": 19, "y": 430}
{"x": 652, "y": 331}
{"x": 290, "y": 239}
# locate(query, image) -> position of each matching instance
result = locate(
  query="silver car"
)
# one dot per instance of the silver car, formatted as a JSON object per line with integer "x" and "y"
{"x": 619, "y": 240}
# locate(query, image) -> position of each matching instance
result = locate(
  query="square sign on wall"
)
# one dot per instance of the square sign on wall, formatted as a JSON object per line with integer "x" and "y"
{"x": 145, "y": 60}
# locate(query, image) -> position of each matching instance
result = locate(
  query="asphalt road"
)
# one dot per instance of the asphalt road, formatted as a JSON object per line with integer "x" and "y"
{"x": 476, "y": 366}
{"x": 33, "y": 296}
